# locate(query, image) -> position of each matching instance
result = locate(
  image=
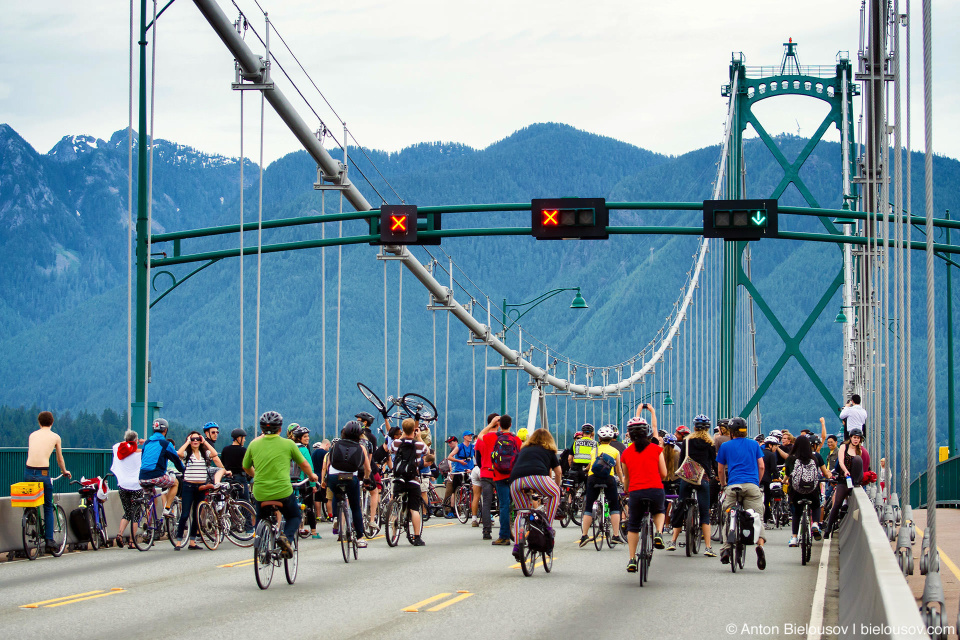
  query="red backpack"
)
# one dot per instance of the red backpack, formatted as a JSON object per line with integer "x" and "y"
{"x": 504, "y": 453}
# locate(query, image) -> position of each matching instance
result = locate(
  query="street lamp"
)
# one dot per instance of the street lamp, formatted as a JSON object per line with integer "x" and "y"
{"x": 842, "y": 317}
{"x": 513, "y": 311}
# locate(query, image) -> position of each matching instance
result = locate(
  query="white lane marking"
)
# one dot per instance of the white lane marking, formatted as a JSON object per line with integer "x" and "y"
{"x": 819, "y": 593}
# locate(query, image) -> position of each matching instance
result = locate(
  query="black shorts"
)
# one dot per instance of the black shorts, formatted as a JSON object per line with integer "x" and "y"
{"x": 412, "y": 492}
{"x": 656, "y": 498}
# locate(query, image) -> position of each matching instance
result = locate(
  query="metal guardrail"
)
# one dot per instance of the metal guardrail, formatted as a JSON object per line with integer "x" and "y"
{"x": 948, "y": 486}
{"x": 817, "y": 71}
{"x": 80, "y": 462}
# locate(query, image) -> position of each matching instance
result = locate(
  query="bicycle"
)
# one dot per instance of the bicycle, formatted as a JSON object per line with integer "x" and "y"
{"x": 221, "y": 516}
{"x": 535, "y": 522}
{"x": 150, "y": 526}
{"x": 413, "y": 404}
{"x": 733, "y": 529}
{"x": 778, "y": 508}
{"x": 306, "y": 510}
{"x": 567, "y": 500}
{"x": 266, "y": 553}
{"x": 33, "y": 528}
{"x": 434, "y": 505}
{"x": 462, "y": 500}
{"x": 691, "y": 525}
{"x": 344, "y": 518}
{"x": 806, "y": 528}
{"x": 398, "y": 517}
{"x": 93, "y": 513}
{"x": 645, "y": 544}
{"x": 600, "y": 527}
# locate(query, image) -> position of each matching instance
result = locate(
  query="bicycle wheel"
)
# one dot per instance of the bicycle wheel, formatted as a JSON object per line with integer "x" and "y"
{"x": 372, "y": 397}
{"x": 692, "y": 527}
{"x": 343, "y": 526}
{"x": 59, "y": 531}
{"x": 30, "y": 527}
{"x": 92, "y": 527}
{"x": 290, "y": 564}
{"x": 240, "y": 518}
{"x": 547, "y": 561}
{"x": 528, "y": 558}
{"x": 171, "y": 526}
{"x": 146, "y": 528}
{"x": 418, "y": 406}
{"x": 462, "y": 501}
{"x": 596, "y": 527}
{"x": 576, "y": 506}
{"x": 643, "y": 551}
{"x": 208, "y": 525}
{"x": 263, "y": 552}
{"x": 104, "y": 527}
{"x": 392, "y": 525}
{"x": 741, "y": 555}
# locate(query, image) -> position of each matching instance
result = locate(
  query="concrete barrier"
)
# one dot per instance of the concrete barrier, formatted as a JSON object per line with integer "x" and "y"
{"x": 11, "y": 533}
{"x": 875, "y": 601}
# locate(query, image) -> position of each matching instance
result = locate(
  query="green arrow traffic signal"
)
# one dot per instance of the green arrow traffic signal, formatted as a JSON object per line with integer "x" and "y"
{"x": 759, "y": 219}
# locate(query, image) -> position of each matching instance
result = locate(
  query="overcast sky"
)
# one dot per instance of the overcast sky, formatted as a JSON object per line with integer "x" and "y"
{"x": 648, "y": 73}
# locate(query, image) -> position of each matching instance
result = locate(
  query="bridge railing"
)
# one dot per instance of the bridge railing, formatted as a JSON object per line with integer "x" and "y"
{"x": 80, "y": 462}
{"x": 948, "y": 485}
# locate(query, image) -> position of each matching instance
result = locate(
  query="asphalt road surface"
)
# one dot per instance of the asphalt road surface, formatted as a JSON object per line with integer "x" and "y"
{"x": 163, "y": 593}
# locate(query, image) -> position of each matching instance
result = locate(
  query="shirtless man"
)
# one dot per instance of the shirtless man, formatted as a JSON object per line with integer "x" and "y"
{"x": 41, "y": 444}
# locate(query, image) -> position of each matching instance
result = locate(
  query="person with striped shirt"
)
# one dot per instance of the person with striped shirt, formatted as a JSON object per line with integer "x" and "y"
{"x": 196, "y": 454}
{"x": 532, "y": 469}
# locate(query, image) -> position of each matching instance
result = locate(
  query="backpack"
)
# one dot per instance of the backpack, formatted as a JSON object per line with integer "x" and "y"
{"x": 504, "y": 454}
{"x": 347, "y": 456}
{"x": 405, "y": 464}
{"x": 603, "y": 465}
{"x": 538, "y": 537}
{"x": 804, "y": 476}
{"x": 79, "y": 524}
{"x": 745, "y": 528}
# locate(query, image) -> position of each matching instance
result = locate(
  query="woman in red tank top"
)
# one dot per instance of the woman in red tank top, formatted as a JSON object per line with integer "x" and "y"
{"x": 644, "y": 470}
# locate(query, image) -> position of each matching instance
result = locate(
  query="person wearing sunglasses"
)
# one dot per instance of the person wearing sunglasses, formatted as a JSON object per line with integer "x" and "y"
{"x": 197, "y": 455}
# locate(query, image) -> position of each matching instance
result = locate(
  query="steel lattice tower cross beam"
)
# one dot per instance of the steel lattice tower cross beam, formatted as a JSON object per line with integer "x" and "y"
{"x": 831, "y": 84}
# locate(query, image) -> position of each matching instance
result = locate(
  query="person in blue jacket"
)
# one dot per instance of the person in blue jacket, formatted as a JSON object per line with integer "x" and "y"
{"x": 157, "y": 451}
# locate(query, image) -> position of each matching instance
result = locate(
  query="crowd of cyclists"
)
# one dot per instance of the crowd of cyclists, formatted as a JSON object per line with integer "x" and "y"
{"x": 650, "y": 469}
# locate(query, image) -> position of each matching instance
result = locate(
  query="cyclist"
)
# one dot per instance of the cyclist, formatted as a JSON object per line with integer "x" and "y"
{"x": 232, "y": 459}
{"x": 770, "y": 474}
{"x": 461, "y": 463}
{"x": 267, "y": 461}
{"x": 503, "y": 447}
{"x": 41, "y": 444}
{"x": 369, "y": 483}
{"x": 347, "y": 459}
{"x": 197, "y": 455}
{"x": 522, "y": 433}
{"x": 851, "y": 464}
{"x": 603, "y": 472}
{"x": 584, "y": 450}
{"x": 535, "y": 463}
{"x": 487, "y": 485}
{"x": 723, "y": 428}
{"x": 615, "y": 443}
{"x": 407, "y": 450}
{"x": 699, "y": 446}
{"x": 211, "y": 431}
{"x": 126, "y": 468}
{"x": 740, "y": 463}
{"x": 811, "y": 465}
{"x": 301, "y": 437}
{"x": 645, "y": 470}
{"x": 157, "y": 451}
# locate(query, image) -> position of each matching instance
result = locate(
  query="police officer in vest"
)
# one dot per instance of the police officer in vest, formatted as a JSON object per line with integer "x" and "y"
{"x": 584, "y": 449}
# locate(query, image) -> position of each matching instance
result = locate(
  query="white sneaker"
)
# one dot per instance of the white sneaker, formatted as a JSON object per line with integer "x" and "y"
{"x": 793, "y": 542}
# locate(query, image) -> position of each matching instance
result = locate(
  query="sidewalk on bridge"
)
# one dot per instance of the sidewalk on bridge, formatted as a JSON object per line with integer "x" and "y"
{"x": 948, "y": 541}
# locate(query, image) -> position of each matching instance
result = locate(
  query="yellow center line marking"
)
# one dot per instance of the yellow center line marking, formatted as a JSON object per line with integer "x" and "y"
{"x": 101, "y": 595}
{"x": 538, "y": 563}
{"x": 34, "y": 605}
{"x": 414, "y": 608}
{"x": 946, "y": 559}
{"x": 445, "y": 524}
{"x": 442, "y": 605}
{"x": 235, "y": 564}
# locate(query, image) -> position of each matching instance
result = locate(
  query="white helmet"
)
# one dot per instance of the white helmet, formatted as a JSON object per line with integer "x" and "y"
{"x": 776, "y": 433}
{"x": 606, "y": 432}
{"x": 771, "y": 440}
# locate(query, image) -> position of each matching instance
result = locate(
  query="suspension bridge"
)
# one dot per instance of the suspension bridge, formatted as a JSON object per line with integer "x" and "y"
{"x": 703, "y": 357}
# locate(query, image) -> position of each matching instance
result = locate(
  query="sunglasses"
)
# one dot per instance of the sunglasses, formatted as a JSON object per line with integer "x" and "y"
{"x": 214, "y": 431}
{"x": 196, "y": 439}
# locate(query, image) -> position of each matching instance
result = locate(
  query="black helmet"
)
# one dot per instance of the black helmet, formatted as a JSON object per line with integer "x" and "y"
{"x": 351, "y": 431}
{"x": 300, "y": 431}
{"x": 238, "y": 433}
{"x": 160, "y": 425}
{"x": 366, "y": 416}
{"x": 270, "y": 422}
{"x": 855, "y": 431}
{"x": 738, "y": 424}
{"x": 587, "y": 428}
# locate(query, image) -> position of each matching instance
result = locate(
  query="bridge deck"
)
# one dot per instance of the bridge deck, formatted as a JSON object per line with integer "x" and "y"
{"x": 178, "y": 594}
{"x": 948, "y": 541}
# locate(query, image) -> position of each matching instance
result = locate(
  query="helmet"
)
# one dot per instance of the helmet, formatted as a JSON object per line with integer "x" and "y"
{"x": 701, "y": 422}
{"x": 299, "y": 431}
{"x": 605, "y": 432}
{"x": 522, "y": 434}
{"x": 759, "y": 438}
{"x": 856, "y": 431}
{"x": 364, "y": 415}
{"x": 771, "y": 440}
{"x": 160, "y": 425}
{"x": 578, "y": 434}
{"x": 317, "y": 445}
{"x": 723, "y": 422}
{"x": 238, "y": 433}
{"x": 776, "y": 433}
{"x": 587, "y": 429}
{"x": 669, "y": 439}
{"x": 685, "y": 431}
{"x": 632, "y": 422}
{"x": 293, "y": 426}
{"x": 616, "y": 430}
{"x": 351, "y": 431}
{"x": 637, "y": 428}
{"x": 270, "y": 422}
{"x": 738, "y": 424}
{"x": 210, "y": 425}
{"x": 661, "y": 433}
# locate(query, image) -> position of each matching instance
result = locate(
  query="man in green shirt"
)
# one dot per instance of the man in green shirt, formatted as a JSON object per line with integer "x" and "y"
{"x": 267, "y": 462}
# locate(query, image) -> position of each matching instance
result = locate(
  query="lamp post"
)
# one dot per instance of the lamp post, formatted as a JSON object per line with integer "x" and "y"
{"x": 513, "y": 311}
{"x": 952, "y": 443}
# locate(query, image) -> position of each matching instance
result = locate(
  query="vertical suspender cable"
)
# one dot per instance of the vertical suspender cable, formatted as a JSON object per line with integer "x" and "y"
{"x": 898, "y": 226}
{"x": 931, "y": 318}
{"x": 153, "y": 91}
{"x": 385, "y": 345}
{"x": 130, "y": 224}
{"x": 908, "y": 286}
{"x": 256, "y": 385}
{"x": 473, "y": 373}
{"x": 336, "y": 400}
{"x": 446, "y": 383}
{"x": 323, "y": 310}
{"x": 242, "y": 157}
{"x": 400, "y": 323}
